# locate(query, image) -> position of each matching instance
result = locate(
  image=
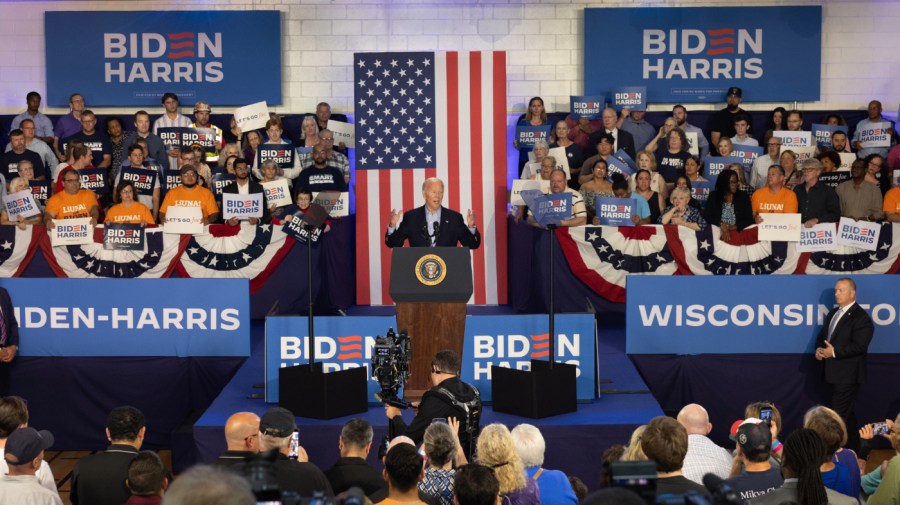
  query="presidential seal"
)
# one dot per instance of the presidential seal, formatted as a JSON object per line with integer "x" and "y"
{"x": 431, "y": 270}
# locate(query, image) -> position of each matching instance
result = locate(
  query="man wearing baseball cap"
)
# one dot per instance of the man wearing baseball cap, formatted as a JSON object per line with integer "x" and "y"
{"x": 754, "y": 442}
{"x": 723, "y": 120}
{"x": 300, "y": 476}
{"x": 24, "y": 454}
{"x": 190, "y": 194}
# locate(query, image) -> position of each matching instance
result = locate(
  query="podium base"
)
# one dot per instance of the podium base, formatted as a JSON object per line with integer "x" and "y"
{"x": 538, "y": 393}
{"x": 307, "y": 391}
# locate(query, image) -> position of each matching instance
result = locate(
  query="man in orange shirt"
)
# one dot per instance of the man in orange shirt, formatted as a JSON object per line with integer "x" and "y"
{"x": 892, "y": 205}
{"x": 71, "y": 203}
{"x": 774, "y": 198}
{"x": 190, "y": 194}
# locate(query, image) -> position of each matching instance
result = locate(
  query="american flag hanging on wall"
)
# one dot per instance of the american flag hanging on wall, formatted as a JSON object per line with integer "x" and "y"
{"x": 421, "y": 115}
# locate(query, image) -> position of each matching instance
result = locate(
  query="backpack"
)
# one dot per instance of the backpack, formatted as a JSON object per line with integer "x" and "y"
{"x": 470, "y": 423}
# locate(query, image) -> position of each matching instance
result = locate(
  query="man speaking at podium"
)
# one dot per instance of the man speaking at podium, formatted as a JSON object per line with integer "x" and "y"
{"x": 432, "y": 225}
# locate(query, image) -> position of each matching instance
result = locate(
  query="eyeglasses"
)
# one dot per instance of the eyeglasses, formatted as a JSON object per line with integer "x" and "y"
{"x": 439, "y": 372}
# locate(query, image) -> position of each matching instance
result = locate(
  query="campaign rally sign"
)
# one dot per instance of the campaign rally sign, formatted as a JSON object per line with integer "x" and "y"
{"x": 791, "y": 139}
{"x": 123, "y": 237}
{"x": 749, "y": 314}
{"x": 343, "y": 132}
{"x": 715, "y": 165}
{"x": 847, "y": 160}
{"x": 779, "y": 227}
{"x": 861, "y": 234}
{"x": 616, "y": 166}
{"x": 94, "y": 179}
{"x": 183, "y": 220}
{"x": 283, "y": 154}
{"x": 621, "y": 155}
{"x": 803, "y": 153}
{"x": 252, "y": 117}
{"x": 295, "y": 226}
{"x": 693, "y": 143}
{"x": 21, "y": 205}
{"x": 700, "y": 191}
{"x": 820, "y": 237}
{"x": 526, "y": 136}
{"x": 822, "y": 134}
{"x": 629, "y": 97}
{"x": 587, "y": 107}
{"x": 40, "y": 189}
{"x": 277, "y": 192}
{"x": 875, "y": 135}
{"x": 833, "y": 178}
{"x": 242, "y": 206}
{"x": 748, "y": 154}
{"x": 507, "y": 341}
{"x": 548, "y": 209}
{"x": 562, "y": 161}
{"x": 178, "y": 137}
{"x": 144, "y": 180}
{"x": 519, "y": 185}
{"x": 172, "y": 180}
{"x": 131, "y": 317}
{"x": 131, "y": 58}
{"x": 694, "y": 54}
{"x": 335, "y": 203}
{"x": 615, "y": 211}
{"x": 218, "y": 183}
{"x": 71, "y": 232}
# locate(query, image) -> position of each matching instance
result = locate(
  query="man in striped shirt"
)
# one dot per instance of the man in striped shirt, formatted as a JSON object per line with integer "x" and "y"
{"x": 171, "y": 119}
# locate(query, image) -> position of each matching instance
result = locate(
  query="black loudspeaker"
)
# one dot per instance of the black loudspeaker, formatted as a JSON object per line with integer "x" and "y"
{"x": 307, "y": 391}
{"x": 541, "y": 392}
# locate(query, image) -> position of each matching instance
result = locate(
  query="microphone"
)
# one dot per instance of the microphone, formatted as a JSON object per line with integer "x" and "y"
{"x": 721, "y": 492}
{"x": 425, "y": 231}
{"x": 437, "y": 229}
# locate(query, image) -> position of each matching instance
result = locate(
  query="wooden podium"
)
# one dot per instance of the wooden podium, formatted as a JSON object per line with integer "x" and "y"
{"x": 430, "y": 286}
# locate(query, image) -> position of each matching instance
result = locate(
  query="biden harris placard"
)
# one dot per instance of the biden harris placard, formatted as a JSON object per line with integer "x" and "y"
{"x": 118, "y": 58}
{"x": 694, "y": 54}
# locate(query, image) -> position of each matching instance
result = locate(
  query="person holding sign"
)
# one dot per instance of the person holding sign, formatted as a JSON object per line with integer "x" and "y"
{"x": 190, "y": 194}
{"x": 682, "y": 214}
{"x": 201, "y": 114}
{"x": 728, "y": 207}
{"x": 870, "y": 122}
{"x": 16, "y": 185}
{"x": 599, "y": 185}
{"x": 274, "y": 129}
{"x": 171, "y": 119}
{"x": 655, "y": 200}
{"x": 774, "y": 198}
{"x": 243, "y": 185}
{"x": 71, "y": 203}
{"x": 433, "y": 225}
{"x": 128, "y": 210}
{"x": 621, "y": 189}
{"x": 269, "y": 171}
{"x": 135, "y": 170}
{"x": 818, "y": 203}
{"x": 558, "y": 185}
{"x": 860, "y": 200}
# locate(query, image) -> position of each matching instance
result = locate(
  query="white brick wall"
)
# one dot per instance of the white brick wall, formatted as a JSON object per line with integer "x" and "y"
{"x": 543, "y": 39}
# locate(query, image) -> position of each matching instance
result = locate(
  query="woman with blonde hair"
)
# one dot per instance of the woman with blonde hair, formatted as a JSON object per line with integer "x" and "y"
{"x": 497, "y": 450}
{"x": 16, "y": 185}
{"x": 840, "y": 469}
{"x": 634, "y": 452}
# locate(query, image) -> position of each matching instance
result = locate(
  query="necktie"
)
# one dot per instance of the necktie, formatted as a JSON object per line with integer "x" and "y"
{"x": 834, "y": 321}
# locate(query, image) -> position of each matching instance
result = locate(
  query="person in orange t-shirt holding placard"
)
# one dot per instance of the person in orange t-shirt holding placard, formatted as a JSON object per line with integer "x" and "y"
{"x": 129, "y": 210}
{"x": 774, "y": 198}
{"x": 71, "y": 203}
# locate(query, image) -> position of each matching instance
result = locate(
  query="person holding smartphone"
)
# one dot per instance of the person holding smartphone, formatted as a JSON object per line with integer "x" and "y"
{"x": 276, "y": 432}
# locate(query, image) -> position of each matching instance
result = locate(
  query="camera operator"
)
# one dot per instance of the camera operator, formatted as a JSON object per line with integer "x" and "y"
{"x": 437, "y": 402}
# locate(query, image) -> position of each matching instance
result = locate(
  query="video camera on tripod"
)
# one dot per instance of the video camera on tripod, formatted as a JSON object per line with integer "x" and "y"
{"x": 390, "y": 366}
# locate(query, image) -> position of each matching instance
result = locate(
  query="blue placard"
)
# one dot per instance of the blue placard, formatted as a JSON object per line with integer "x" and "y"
{"x": 144, "y": 179}
{"x": 548, "y": 209}
{"x": 173, "y": 180}
{"x": 40, "y": 189}
{"x": 615, "y": 211}
{"x": 283, "y": 154}
{"x": 508, "y": 341}
{"x": 177, "y": 137}
{"x": 94, "y": 179}
{"x": 617, "y": 166}
{"x": 132, "y": 317}
{"x": 295, "y": 226}
{"x": 130, "y": 58}
{"x": 700, "y": 191}
{"x": 771, "y": 314}
{"x": 623, "y": 156}
{"x": 822, "y": 134}
{"x": 123, "y": 237}
{"x": 694, "y": 54}
{"x": 748, "y": 154}
{"x": 587, "y": 107}
{"x": 629, "y": 97}
{"x": 526, "y": 136}
{"x": 218, "y": 183}
{"x": 715, "y": 165}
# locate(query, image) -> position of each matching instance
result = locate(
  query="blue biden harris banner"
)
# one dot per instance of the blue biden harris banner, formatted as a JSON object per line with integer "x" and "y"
{"x": 132, "y": 317}
{"x": 766, "y": 314}
{"x": 694, "y": 54}
{"x": 131, "y": 58}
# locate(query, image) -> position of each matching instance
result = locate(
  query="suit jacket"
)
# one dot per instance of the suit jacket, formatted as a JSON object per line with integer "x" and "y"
{"x": 788, "y": 494}
{"x": 453, "y": 230}
{"x": 255, "y": 187}
{"x": 9, "y": 317}
{"x": 850, "y": 339}
{"x": 624, "y": 141}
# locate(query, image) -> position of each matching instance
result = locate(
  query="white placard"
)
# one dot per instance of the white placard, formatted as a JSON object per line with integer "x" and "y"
{"x": 875, "y": 135}
{"x": 803, "y": 153}
{"x": 820, "y": 237}
{"x": 562, "y": 161}
{"x": 779, "y": 227}
{"x": 693, "y": 143}
{"x": 861, "y": 234}
{"x": 252, "y": 117}
{"x": 184, "y": 220}
{"x": 242, "y": 206}
{"x": 277, "y": 192}
{"x": 21, "y": 204}
{"x": 71, "y": 231}
{"x": 519, "y": 185}
{"x": 794, "y": 139}
{"x": 847, "y": 159}
{"x": 343, "y": 132}
{"x": 336, "y": 204}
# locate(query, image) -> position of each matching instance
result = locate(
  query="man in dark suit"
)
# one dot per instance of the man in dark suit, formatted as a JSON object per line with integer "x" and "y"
{"x": 843, "y": 344}
{"x": 432, "y": 225}
{"x": 243, "y": 180}
{"x": 9, "y": 339}
{"x": 623, "y": 139}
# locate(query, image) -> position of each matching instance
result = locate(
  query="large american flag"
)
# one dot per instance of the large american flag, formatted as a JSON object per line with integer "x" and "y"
{"x": 421, "y": 115}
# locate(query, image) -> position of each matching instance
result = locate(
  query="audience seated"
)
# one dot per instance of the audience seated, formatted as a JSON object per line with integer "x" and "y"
{"x": 872, "y": 480}
{"x": 860, "y": 200}
{"x": 497, "y": 450}
{"x": 242, "y": 439}
{"x": 476, "y": 484}
{"x": 703, "y": 456}
{"x": 665, "y": 441}
{"x": 13, "y": 415}
{"x": 351, "y": 468}
{"x": 840, "y": 468}
{"x": 146, "y": 479}
{"x": 23, "y": 456}
{"x": 754, "y": 442}
{"x": 817, "y": 203}
{"x": 276, "y": 427}
{"x": 728, "y": 207}
{"x": 403, "y": 470}
{"x": 205, "y": 485}
{"x": 553, "y": 485}
{"x": 441, "y": 448}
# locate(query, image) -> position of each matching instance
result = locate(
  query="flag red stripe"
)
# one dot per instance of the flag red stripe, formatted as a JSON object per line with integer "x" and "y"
{"x": 409, "y": 192}
{"x": 499, "y": 139}
{"x": 384, "y": 190}
{"x": 478, "y": 267}
{"x": 453, "y": 129}
{"x": 363, "y": 286}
